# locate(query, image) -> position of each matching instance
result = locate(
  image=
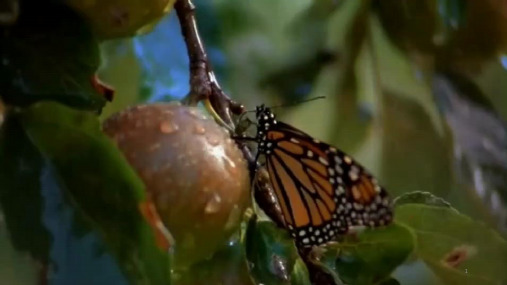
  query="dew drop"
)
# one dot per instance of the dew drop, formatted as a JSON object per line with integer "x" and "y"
{"x": 167, "y": 127}
{"x": 229, "y": 165}
{"x": 213, "y": 205}
{"x": 212, "y": 140}
{"x": 198, "y": 129}
{"x": 279, "y": 266}
{"x": 194, "y": 113}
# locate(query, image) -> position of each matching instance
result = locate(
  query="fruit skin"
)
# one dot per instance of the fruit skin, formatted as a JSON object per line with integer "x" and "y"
{"x": 195, "y": 174}
{"x": 121, "y": 18}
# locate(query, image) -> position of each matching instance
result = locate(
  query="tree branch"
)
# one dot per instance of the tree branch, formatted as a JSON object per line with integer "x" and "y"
{"x": 203, "y": 83}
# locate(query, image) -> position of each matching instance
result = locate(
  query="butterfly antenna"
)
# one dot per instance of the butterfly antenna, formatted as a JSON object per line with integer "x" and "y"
{"x": 290, "y": 104}
{"x": 298, "y": 102}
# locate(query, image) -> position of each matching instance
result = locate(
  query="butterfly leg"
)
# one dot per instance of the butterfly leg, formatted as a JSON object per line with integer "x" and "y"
{"x": 244, "y": 138}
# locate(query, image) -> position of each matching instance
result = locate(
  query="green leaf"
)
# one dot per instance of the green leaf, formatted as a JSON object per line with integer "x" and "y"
{"x": 226, "y": 264}
{"x": 458, "y": 249}
{"x": 300, "y": 274}
{"x": 100, "y": 185}
{"x": 370, "y": 257}
{"x": 270, "y": 252}
{"x": 419, "y": 197}
{"x": 49, "y": 54}
{"x": 20, "y": 198}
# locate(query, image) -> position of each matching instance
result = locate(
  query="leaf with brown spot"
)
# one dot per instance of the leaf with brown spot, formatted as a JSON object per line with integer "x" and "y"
{"x": 456, "y": 248}
{"x": 458, "y": 255}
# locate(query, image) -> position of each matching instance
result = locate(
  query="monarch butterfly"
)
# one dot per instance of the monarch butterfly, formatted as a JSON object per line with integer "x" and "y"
{"x": 322, "y": 191}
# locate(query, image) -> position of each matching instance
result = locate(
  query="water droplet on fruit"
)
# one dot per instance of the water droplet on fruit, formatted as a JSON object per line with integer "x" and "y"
{"x": 167, "y": 127}
{"x": 193, "y": 113}
{"x": 212, "y": 140}
{"x": 198, "y": 129}
{"x": 213, "y": 204}
{"x": 230, "y": 165}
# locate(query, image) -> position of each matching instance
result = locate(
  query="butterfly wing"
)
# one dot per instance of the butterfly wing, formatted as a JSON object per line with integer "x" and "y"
{"x": 322, "y": 191}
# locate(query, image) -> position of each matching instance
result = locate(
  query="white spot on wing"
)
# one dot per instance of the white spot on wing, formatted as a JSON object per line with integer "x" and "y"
{"x": 323, "y": 161}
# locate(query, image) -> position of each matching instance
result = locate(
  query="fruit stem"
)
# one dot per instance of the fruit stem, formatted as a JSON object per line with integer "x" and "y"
{"x": 211, "y": 110}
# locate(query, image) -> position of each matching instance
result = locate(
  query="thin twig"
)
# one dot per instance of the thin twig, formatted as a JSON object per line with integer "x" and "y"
{"x": 203, "y": 83}
{"x": 199, "y": 80}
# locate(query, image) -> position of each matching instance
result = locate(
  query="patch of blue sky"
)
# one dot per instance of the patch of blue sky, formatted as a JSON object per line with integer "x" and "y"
{"x": 163, "y": 58}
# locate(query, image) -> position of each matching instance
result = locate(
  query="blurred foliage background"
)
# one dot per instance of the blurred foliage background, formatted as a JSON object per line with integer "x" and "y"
{"x": 414, "y": 90}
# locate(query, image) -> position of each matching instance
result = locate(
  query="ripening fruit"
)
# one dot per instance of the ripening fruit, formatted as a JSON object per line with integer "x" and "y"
{"x": 194, "y": 172}
{"x": 121, "y": 18}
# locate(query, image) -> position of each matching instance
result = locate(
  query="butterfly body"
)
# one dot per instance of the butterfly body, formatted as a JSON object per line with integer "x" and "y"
{"x": 322, "y": 191}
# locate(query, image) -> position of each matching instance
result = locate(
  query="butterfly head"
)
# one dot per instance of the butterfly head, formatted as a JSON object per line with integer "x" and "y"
{"x": 261, "y": 110}
{"x": 265, "y": 118}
